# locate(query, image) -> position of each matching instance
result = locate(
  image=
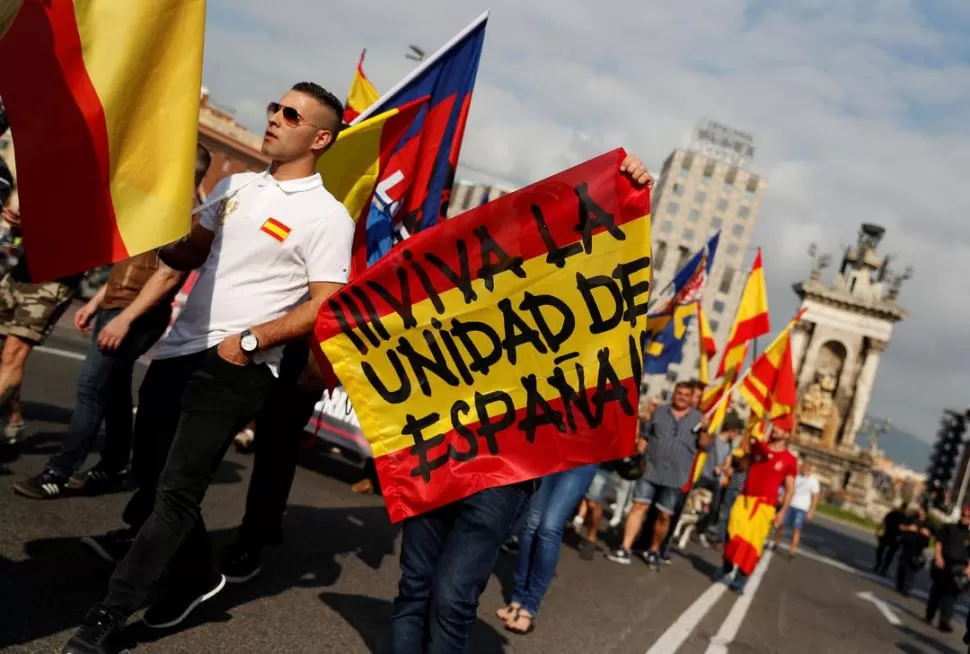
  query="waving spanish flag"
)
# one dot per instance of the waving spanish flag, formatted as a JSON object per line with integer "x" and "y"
{"x": 705, "y": 339}
{"x": 362, "y": 93}
{"x": 769, "y": 387}
{"x": 103, "y": 100}
{"x": 751, "y": 320}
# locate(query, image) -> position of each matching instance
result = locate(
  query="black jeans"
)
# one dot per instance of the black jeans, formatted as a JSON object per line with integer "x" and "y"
{"x": 447, "y": 556}
{"x": 905, "y": 568}
{"x": 189, "y": 410}
{"x": 885, "y": 553}
{"x": 943, "y": 593}
{"x": 279, "y": 432}
{"x": 104, "y": 395}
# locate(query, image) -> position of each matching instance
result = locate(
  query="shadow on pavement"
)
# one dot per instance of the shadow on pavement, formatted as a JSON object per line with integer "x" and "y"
{"x": 927, "y": 644}
{"x": 51, "y": 589}
{"x": 370, "y": 617}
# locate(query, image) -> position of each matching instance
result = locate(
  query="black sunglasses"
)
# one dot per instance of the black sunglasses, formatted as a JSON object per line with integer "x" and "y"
{"x": 291, "y": 116}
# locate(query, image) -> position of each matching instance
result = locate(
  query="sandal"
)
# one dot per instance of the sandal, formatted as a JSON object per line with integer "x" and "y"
{"x": 509, "y": 613}
{"x": 516, "y": 626}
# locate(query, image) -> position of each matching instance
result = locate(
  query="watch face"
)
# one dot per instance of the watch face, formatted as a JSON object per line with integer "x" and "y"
{"x": 249, "y": 343}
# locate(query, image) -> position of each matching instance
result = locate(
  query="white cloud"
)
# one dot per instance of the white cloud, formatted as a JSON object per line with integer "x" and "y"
{"x": 859, "y": 110}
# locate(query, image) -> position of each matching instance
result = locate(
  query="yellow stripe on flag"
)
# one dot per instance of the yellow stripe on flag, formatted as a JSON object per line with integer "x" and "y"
{"x": 384, "y": 430}
{"x": 151, "y": 106}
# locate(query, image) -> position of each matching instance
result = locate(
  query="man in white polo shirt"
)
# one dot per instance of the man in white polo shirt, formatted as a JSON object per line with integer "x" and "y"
{"x": 804, "y": 499}
{"x": 268, "y": 255}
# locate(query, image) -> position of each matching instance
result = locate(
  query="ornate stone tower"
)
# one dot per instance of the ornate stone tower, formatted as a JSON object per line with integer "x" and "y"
{"x": 836, "y": 350}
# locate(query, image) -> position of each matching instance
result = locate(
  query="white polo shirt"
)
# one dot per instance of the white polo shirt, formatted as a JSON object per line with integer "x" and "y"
{"x": 271, "y": 240}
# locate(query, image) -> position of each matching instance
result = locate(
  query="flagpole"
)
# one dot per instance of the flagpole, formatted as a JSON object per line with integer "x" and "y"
{"x": 427, "y": 63}
{"x": 783, "y": 333}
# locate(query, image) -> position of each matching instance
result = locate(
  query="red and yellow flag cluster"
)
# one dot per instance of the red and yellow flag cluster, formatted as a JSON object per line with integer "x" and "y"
{"x": 362, "y": 93}
{"x": 770, "y": 386}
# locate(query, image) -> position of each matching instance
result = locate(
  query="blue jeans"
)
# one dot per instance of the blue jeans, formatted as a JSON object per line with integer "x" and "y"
{"x": 104, "y": 394}
{"x": 447, "y": 556}
{"x": 541, "y": 537}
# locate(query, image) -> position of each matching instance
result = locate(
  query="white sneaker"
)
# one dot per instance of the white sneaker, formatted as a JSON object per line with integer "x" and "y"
{"x": 703, "y": 539}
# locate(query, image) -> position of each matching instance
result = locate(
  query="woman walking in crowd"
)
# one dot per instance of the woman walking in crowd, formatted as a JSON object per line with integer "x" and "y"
{"x": 540, "y": 540}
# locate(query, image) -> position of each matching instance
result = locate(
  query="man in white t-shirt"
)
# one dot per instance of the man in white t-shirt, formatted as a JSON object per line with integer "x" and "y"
{"x": 268, "y": 254}
{"x": 804, "y": 499}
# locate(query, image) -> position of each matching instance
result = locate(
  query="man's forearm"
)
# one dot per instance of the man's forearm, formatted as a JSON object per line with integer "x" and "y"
{"x": 294, "y": 325}
{"x": 183, "y": 255}
{"x": 158, "y": 286}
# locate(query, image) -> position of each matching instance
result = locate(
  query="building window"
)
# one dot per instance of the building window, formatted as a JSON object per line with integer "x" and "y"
{"x": 716, "y": 223}
{"x": 729, "y": 177}
{"x": 671, "y": 376}
{"x": 726, "y": 280}
{"x": 718, "y": 306}
{"x": 678, "y": 189}
{"x": 688, "y": 234}
{"x": 714, "y": 325}
{"x": 664, "y": 395}
{"x": 732, "y": 249}
{"x": 700, "y": 197}
{"x": 644, "y": 389}
{"x": 672, "y": 207}
{"x": 659, "y": 254}
{"x": 666, "y": 226}
{"x": 694, "y": 215}
{"x": 751, "y": 187}
{"x": 744, "y": 212}
{"x": 737, "y": 230}
{"x": 688, "y": 161}
{"x": 684, "y": 256}
{"x": 466, "y": 198}
{"x": 722, "y": 204}
{"x": 709, "y": 169}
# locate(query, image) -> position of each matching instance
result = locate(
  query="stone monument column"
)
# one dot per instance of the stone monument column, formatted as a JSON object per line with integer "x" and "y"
{"x": 863, "y": 391}
{"x": 799, "y": 341}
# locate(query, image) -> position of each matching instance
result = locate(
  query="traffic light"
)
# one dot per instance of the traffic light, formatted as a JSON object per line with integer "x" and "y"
{"x": 946, "y": 452}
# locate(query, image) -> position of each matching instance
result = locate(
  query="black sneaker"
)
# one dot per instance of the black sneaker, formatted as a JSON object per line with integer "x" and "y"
{"x": 241, "y": 563}
{"x": 652, "y": 559}
{"x": 112, "y": 546}
{"x": 619, "y": 556}
{"x": 98, "y": 633}
{"x": 97, "y": 481}
{"x": 45, "y": 486}
{"x": 180, "y": 602}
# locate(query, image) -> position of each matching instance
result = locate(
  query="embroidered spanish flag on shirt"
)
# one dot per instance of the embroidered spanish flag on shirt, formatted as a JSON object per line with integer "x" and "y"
{"x": 106, "y": 92}
{"x": 276, "y": 229}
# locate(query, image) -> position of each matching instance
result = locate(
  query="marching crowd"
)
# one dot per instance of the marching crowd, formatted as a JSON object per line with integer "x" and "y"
{"x": 269, "y": 248}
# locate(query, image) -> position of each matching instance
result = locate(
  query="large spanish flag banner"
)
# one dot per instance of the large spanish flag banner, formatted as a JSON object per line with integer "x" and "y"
{"x": 103, "y": 101}
{"x": 502, "y": 345}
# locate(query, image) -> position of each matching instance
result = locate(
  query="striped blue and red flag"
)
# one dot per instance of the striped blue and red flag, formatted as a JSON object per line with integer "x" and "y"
{"x": 434, "y": 139}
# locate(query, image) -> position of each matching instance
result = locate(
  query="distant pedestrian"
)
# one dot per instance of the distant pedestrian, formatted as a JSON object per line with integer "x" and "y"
{"x": 950, "y": 571}
{"x": 804, "y": 501}
{"x": 889, "y": 539}
{"x": 914, "y": 538}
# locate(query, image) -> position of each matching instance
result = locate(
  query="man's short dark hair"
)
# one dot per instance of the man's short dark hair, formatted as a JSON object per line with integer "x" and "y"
{"x": 327, "y": 99}
{"x": 684, "y": 384}
{"x": 203, "y": 159}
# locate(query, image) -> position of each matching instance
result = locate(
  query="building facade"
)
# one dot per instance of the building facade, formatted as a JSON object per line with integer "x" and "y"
{"x": 702, "y": 189}
{"x": 466, "y": 195}
{"x": 234, "y": 148}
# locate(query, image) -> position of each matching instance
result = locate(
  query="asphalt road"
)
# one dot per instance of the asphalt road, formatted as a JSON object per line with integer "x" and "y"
{"x": 329, "y": 587}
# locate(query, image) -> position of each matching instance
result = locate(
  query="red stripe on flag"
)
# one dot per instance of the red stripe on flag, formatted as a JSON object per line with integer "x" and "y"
{"x": 456, "y": 480}
{"x": 68, "y": 216}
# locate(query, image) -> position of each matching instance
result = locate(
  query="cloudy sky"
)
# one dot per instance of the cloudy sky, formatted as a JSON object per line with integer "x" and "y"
{"x": 860, "y": 110}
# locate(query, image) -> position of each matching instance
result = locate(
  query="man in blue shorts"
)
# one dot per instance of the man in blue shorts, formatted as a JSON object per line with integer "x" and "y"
{"x": 803, "y": 502}
{"x": 670, "y": 439}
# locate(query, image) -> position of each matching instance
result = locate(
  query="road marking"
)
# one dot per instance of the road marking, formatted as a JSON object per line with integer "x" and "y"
{"x": 67, "y": 354}
{"x": 681, "y": 630}
{"x": 883, "y": 607}
{"x": 729, "y": 629}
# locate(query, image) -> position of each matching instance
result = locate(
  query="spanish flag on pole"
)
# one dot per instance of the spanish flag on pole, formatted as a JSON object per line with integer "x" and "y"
{"x": 769, "y": 387}
{"x": 362, "y": 93}
{"x": 104, "y": 93}
{"x": 705, "y": 339}
{"x": 751, "y": 320}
